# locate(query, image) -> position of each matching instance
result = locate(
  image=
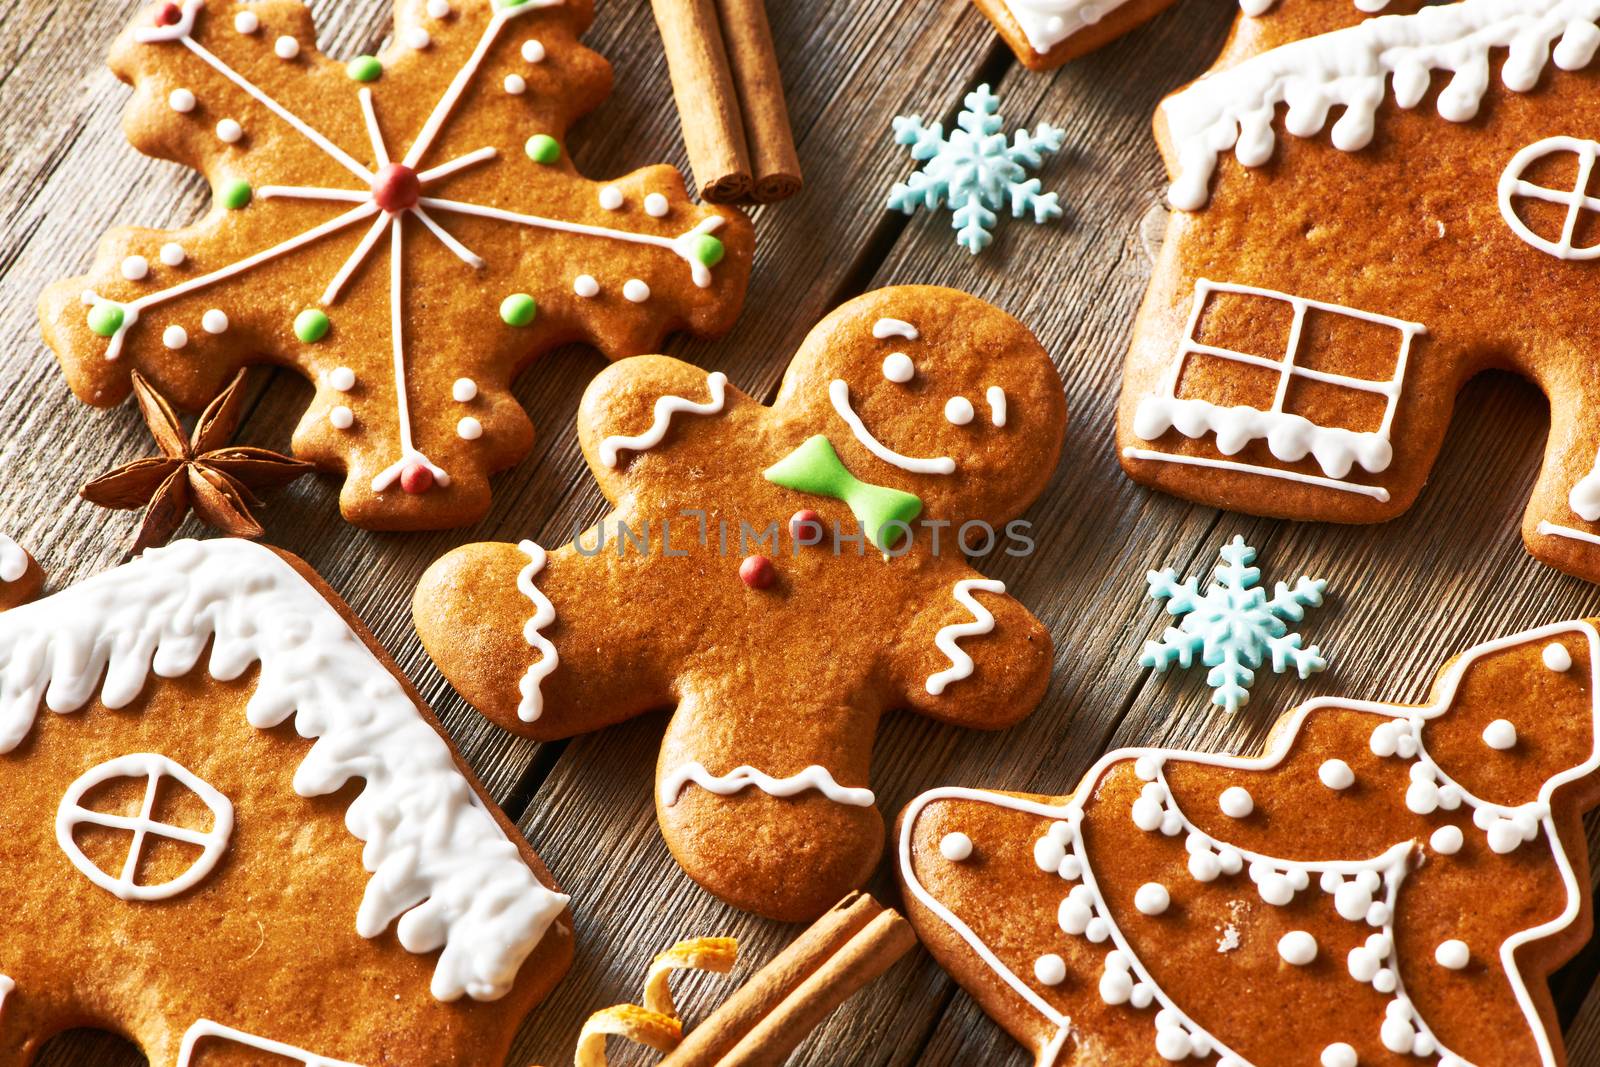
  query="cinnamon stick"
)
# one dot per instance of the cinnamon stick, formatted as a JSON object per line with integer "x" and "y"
{"x": 774, "y": 164}
{"x": 708, "y": 103}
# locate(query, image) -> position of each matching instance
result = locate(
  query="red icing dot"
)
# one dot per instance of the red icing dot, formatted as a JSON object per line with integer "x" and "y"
{"x": 396, "y": 187}
{"x": 416, "y": 478}
{"x": 169, "y": 15}
{"x": 758, "y": 572}
{"x": 805, "y": 526}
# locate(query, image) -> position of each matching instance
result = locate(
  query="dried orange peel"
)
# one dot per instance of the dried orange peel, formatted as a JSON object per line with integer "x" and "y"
{"x": 656, "y": 1024}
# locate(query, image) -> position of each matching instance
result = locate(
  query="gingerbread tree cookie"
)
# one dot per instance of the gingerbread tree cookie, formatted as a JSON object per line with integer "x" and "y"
{"x": 406, "y": 230}
{"x": 182, "y": 866}
{"x": 717, "y": 583}
{"x": 1387, "y": 885}
{"x": 1307, "y": 328}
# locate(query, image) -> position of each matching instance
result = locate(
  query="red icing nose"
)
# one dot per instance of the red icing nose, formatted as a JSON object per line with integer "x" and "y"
{"x": 416, "y": 478}
{"x": 169, "y": 15}
{"x": 396, "y": 187}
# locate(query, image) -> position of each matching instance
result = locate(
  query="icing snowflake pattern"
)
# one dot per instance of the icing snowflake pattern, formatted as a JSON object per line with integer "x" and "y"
{"x": 975, "y": 171}
{"x": 1233, "y": 625}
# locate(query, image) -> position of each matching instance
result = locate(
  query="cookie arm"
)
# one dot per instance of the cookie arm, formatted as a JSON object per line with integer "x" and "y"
{"x": 1562, "y": 524}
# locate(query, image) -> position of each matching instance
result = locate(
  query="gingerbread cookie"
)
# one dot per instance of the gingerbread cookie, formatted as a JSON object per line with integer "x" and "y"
{"x": 783, "y": 575}
{"x": 1305, "y": 333}
{"x": 406, "y": 230}
{"x": 222, "y": 872}
{"x": 1386, "y": 883}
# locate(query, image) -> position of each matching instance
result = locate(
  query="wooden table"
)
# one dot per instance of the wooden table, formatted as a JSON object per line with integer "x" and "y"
{"x": 1405, "y": 595}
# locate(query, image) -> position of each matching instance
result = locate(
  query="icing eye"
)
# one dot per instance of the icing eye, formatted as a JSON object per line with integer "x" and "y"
{"x": 997, "y": 404}
{"x": 958, "y": 409}
{"x": 897, "y": 367}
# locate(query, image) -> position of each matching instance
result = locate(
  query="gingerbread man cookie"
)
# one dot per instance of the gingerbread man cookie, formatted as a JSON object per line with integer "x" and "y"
{"x": 1387, "y": 885}
{"x": 1306, "y": 330}
{"x": 232, "y": 891}
{"x": 406, "y": 230}
{"x": 717, "y": 583}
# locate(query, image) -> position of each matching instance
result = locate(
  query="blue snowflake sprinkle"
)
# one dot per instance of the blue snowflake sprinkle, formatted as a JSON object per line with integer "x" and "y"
{"x": 1233, "y": 625}
{"x": 975, "y": 171}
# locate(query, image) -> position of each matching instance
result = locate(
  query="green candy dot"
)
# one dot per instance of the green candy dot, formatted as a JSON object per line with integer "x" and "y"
{"x": 311, "y": 325}
{"x": 518, "y": 309}
{"x": 105, "y": 319}
{"x": 706, "y": 249}
{"x": 235, "y": 194}
{"x": 364, "y": 69}
{"x": 542, "y": 148}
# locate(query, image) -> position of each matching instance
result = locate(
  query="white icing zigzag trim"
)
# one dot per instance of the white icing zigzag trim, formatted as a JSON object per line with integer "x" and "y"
{"x": 1234, "y": 108}
{"x": 441, "y": 864}
{"x": 813, "y": 777}
{"x": 982, "y": 623}
{"x": 1408, "y": 718}
{"x": 544, "y": 613}
{"x": 665, "y": 408}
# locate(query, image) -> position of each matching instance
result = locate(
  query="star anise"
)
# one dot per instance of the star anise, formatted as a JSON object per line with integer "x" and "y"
{"x": 200, "y": 471}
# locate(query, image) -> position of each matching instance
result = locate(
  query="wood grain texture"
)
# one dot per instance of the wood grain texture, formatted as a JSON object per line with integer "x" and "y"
{"x": 1404, "y": 596}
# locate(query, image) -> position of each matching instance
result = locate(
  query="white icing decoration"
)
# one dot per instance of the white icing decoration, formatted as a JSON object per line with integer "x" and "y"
{"x": 214, "y": 321}
{"x": 1152, "y": 898}
{"x": 441, "y": 864}
{"x": 661, "y": 417}
{"x": 341, "y": 417}
{"x": 635, "y": 290}
{"x": 886, "y": 328}
{"x": 206, "y": 1030}
{"x": 1339, "y": 1054}
{"x": 182, "y": 101}
{"x": 1046, "y": 23}
{"x": 811, "y": 778}
{"x": 469, "y": 428}
{"x": 1050, "y": 969}
{"x": 996, "y": 397}
{"x": 531, "y": 706}
{"x": 1446, "y": 840}
{"x": 71, "y": 814}
{"x": 286, "y": 47}
{"x": 898, "y": 368}
{"x": 1236, "y": 802}
{"x": 1348, "y": 69}
{"x": 246, "y": 22}
{"x": 1550, "y": 529}
{"x": 1452, "y": 955}
{"x": 464, "y": 390}
{"x": 533, "y": 51}
{"x": 955, "y": 846}
{"x": 342, "y": 379}
{"x": 1354, "y": 883}
{"x": 229, "y": 131}
{"x": 948, "y": 636}
{"x": 1576, "y": 200}
{"x": 13, "y": 560}
{"x": 656, "y": 205}
{"x": 958, "y": 411}
{"x": 175, "y": 336}
{"x": 611, "y": 198}
{"x": 173, "y": 255}
{"x": 136, "y": 268}
{"x": 6, "y": 988}
{"x": 1297, "y": 948}
{"x": 1556, "y": 657}
{"x": 1336, "y": 774}
{"x": 1500, "y": 735}
{"x": 418, "y": 39}
{"x": 839, "y": 394}
{"x": 438, "y": 9}
{"x": 585, "y": 286}
{"x": 515, "y": 84}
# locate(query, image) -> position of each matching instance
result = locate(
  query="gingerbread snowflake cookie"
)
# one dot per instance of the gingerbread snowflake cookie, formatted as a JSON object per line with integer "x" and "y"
{"x": 220, "y": 871}
{"x": 1300, "y": 347}
{"x": 783, "y": 575}
{"x": 406, "y": 230}
{"x": 1409, "y": 871}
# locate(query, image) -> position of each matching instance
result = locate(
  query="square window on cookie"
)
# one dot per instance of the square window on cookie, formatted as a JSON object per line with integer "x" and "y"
{"x": 1250, "y": 323}
{"x": 1335, "y": 343}
{"x": 1335, "y": 405}
{"x": 1227, "y": 382}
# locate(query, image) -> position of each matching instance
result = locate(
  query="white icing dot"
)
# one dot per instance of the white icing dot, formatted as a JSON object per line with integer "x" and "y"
{"x": 1339, "y": 1054}
{"x": 172, "y": 254}
{"x": 955, "y": 846}
{"x": 897, "y": 367}
{"x": 1446, "y": 840}
{"x": 636, "y": 290}
{"x": 463, "y": 390}
{"x": 1452, "y": 955}
{"x": 1048, "y": 853}
{"x": 135, "y": 268}
{"x": 438, "y": 9}
{"x": 182, "y": 101}
{"x": 1297, "y": 947}
{"x": 533, "y": 50}
{"x": 1152, "y": 898}
{"x": 342, "y": 379}
{"x": 515, "y": 84}
{"x": 286, "y": 47}
{"x": 656, "y": 205}
{"x": 229, "y": 131}
{"x": 585, "y": 286}
{"x": 1050, "y": 969}
{"x": 246, "y": 22}
{"x": 611, "y": 198}
{"x": 1236, "y": 802}
{"x": 418, "y": 38}
{"x": 175, "y": 336}
{"x": 1556, "y": 657}
{"x": 958, "y": 410}
{"x": 1500, "y": 734}
{"x": 469, "y": 429}
{"x": 1336, "y": 774}
{"x": 342, "y": 418}
{"x": 214, "y": 321}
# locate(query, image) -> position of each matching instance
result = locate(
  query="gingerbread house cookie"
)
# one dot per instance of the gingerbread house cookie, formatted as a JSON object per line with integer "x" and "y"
{"x": 1317, "y": 305}
{"x": 183, "y": 866}
{"x": 1387, "y": 885}
{"x": 782, "y": 575}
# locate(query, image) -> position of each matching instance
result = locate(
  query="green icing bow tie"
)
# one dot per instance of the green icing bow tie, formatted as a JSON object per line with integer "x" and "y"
{"x": 815, "y": 467}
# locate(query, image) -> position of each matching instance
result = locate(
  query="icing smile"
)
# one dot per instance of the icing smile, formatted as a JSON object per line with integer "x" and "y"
{"x": 839, "y": 393}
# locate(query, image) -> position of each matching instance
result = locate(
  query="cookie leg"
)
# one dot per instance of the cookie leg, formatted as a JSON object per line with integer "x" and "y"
{"x": 1562, "y": 524}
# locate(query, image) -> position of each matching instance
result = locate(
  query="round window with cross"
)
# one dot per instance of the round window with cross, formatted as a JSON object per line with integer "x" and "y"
{"x": 1555, "y": 172}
